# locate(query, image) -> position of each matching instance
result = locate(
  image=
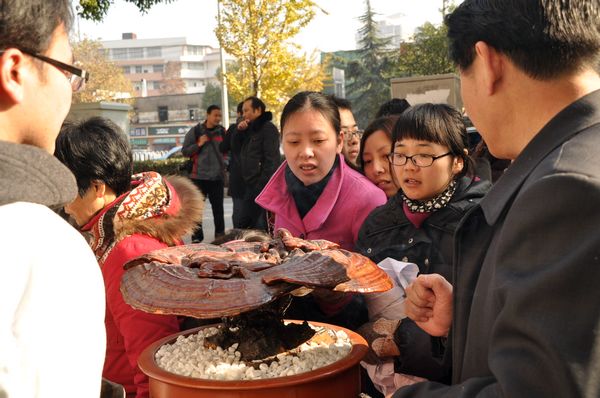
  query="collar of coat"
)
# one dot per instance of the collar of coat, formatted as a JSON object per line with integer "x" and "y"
{"x": 276, "y": 198}
{"x": 257, "y": 123}
{"x": 569, "y": 122}
{"x": 30, "y": 174}
{"x": 147, "y": 213}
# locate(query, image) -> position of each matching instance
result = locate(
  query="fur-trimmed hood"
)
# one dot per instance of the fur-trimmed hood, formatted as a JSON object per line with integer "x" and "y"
{"x": 163, "y": 208}
{"x": 166, "y": 227}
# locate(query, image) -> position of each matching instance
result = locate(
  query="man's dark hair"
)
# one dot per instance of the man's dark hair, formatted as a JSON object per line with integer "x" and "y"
{"x": 240, "y": 108}
{"x": 341, "y": 103}
{"x": 544, "y": 38}
{"x": 306, "y": 100}
{"x": 29, "y": 24}
{"x": 96, "y": 149}
{"x": 256, "y": 103}
{"x": 395, "y": 106}
{"x": 212, "y": 108}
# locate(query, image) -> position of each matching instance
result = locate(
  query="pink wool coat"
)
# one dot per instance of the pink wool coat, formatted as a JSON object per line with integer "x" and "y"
{"x": 337, "y": 216}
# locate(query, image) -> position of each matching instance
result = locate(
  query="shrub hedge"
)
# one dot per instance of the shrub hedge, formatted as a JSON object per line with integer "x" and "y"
{"x": 163, "y": 167}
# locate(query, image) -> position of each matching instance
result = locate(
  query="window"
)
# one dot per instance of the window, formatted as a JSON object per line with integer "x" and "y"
{"x": 195, "y": 65}
{"x": 158, "y": 68}
{"x": 163, "y": 113}
{"x": 119, "y": 53}
{"x": 154, "y": 52}
{"x": 125, "y": 69}
{"x": 138, "y": 69}
{"x": 156, "y": 85}
{"x": 134, "y": 53}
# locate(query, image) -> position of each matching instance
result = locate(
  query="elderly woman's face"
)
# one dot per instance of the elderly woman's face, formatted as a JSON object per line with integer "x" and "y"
{"x": 83, "y": 208}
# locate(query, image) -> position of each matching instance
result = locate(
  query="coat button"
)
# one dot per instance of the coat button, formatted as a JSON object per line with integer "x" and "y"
{"x": 301, "y": 236}
{"x": 426, "y": 261}
{"x": 410, "y": 240}
{"x": 405, "y": 259}
{"x": 369, "y": 250}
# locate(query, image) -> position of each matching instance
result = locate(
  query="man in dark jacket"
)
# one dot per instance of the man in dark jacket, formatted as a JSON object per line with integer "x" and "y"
{"x": 201, "y": 145}
{"x": 259, "y": 158}
{"x": 522, "y": 314}
{"x": 233, "y": 147}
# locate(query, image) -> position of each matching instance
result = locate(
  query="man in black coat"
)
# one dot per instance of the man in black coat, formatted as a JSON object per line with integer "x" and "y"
{"x": 259, "y": 157}
{"x": 522, "y": 316}
{"x": 232, "y": 145}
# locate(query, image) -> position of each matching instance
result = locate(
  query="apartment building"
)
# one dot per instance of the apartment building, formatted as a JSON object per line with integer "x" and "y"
{"x": 144, "y": 62}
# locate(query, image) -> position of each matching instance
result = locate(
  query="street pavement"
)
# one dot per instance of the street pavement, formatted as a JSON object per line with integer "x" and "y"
{"x": 208, "y": 225}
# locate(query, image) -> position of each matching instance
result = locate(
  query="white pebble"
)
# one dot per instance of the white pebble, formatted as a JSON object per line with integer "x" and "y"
{"x": 187, "y": 356}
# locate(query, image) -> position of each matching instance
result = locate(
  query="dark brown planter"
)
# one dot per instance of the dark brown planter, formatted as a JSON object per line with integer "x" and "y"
{"x": 337, "y": 380}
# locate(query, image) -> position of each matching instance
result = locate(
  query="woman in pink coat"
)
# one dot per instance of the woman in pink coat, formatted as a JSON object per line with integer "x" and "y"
{"x": 315, "y": 195}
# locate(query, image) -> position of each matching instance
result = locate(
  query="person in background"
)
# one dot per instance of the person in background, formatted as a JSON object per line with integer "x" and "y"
{"x": 201, "y": 145}
{"x": 375, "y": 146}
{"x": 437, "y": 188}
{"x": 231, "y": 144}
{"x": 315, "y": 195}
{"x": 52, "y": 338}
{"x": 126, "y": 217}
{"x": 520, "y": 317}
{"x": 351, "y": 131}
{"x": 259, "y": 158}
{"x": 395, "y": 106}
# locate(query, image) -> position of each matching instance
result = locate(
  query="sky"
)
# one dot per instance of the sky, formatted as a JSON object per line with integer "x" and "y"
{"x": 196, "y": 20}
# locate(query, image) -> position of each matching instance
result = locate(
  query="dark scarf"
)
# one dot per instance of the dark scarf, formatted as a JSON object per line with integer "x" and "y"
{"x": 431, "y": 205}
{"x": 305, "y": 196}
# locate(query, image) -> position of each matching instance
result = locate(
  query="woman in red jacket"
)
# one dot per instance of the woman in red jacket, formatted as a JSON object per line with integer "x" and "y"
{"x": 125, "y": 217}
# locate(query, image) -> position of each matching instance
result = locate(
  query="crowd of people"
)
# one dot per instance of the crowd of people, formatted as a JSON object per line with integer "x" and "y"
{"x": 508, "y": 258}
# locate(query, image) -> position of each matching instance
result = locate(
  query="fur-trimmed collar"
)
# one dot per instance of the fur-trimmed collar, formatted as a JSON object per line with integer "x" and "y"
{"x": 110, "y": 225}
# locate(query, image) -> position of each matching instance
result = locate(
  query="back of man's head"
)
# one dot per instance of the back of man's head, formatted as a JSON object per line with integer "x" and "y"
{"x": 341, "y": 103}
{"x": 395, "y": 106}
{"x": 29, "y": 24}
{"x": 96, "y": 149}
{"x": 256, "y": 103}
{"x": 544, "y": 38}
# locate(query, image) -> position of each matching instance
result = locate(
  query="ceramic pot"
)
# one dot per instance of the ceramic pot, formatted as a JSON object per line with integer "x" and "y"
{"x": 339, "y": 379}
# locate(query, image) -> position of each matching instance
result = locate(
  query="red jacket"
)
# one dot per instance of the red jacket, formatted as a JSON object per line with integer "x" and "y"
{"x": 147, "y": 218}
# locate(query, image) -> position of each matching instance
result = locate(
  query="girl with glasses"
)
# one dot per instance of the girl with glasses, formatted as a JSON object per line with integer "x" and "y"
{"x": 434, "y": 173}
{"x": 316, "y": 195}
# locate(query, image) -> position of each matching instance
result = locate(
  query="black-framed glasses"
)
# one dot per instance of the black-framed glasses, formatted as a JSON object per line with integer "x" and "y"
{"x": 399, "y": 159}
{"x": 77, "y": 76}
{"x": 349, "y": 135}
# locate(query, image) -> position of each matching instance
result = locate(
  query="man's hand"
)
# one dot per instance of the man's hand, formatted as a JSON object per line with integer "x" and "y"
{"x": 243, "y": 125}
{"x": 202, "y": 140}
{"x": 429, "y": 304}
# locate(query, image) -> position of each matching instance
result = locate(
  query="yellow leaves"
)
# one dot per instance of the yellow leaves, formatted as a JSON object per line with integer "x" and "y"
{"x": 256, "y": 32}
{"x": 107, "y": 82}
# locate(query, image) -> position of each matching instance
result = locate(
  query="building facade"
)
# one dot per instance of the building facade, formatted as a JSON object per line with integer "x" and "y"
{"x": 159, "y": 123}
{"x": 145, "y": 62}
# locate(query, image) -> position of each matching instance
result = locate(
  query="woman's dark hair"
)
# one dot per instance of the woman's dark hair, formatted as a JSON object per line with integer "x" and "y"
{"x": 96, "y": 149}
{"x": 306, "y": 100}
{"x": 385, "y": 124}
{"x": 438, "y": 123}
